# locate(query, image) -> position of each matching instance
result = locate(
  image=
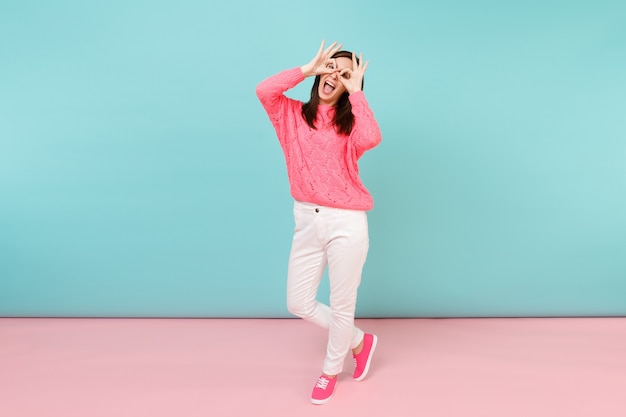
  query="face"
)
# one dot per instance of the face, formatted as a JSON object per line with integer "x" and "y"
{"x": 330, "y": 88}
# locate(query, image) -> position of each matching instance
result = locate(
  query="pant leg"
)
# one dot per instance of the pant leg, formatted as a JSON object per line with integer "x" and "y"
{"x": 307, "y": 262}
{"x": 346, "y": 252}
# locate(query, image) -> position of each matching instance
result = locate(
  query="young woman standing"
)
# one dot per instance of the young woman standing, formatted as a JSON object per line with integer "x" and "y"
{"x": 322, "y": 140}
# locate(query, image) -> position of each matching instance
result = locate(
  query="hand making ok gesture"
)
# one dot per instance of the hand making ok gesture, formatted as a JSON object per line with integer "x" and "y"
{"x": 320, "y": 63}
{"x": 352, "y": 78}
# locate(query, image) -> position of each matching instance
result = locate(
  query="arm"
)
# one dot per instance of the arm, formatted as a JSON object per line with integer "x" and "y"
{"x": 271, "y": 91}
{"x": 366, "y": 132}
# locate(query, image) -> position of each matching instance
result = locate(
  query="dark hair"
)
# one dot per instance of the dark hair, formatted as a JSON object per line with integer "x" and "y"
{"x": 343, "y": 120}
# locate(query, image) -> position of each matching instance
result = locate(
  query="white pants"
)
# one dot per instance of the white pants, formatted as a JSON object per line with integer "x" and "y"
{"x": 339, "y": 239}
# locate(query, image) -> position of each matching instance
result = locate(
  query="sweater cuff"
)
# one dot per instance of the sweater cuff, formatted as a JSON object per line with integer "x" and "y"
{"x": 357, "y": 96}
{"x": 297, "y": 74}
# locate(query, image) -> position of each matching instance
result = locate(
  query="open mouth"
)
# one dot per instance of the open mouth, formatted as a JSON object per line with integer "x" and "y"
{"x": 328, "y": 87}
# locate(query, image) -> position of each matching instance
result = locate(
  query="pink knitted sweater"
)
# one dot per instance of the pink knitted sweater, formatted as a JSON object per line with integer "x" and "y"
{"x": 321, "y": 164}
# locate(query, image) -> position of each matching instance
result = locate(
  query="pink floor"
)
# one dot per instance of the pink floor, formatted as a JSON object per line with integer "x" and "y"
{"x": 209, "y": 367}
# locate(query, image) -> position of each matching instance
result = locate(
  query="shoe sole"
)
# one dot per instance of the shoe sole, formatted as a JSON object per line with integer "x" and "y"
{"x": 320, "y": 402}
{"x": 369, "y": 360}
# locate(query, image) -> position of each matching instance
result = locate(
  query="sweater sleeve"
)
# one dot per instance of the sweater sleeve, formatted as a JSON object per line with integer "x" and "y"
{"x": 271, "y": 94}
{"x": 366, "y": 132}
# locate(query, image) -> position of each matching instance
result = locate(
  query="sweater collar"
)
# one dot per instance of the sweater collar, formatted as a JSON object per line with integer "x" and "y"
{"x": 326, "y": 112}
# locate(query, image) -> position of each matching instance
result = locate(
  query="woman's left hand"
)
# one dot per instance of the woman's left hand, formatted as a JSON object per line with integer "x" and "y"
{"x": 352, "y": 79}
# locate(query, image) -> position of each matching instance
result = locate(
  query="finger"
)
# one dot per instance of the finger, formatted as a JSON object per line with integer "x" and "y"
{"x": 332, "y": 67}
{"x": 328, "y": 50}
{"x": 365, "y": 66}
{"x": 338, "y": 48}
{"x": 326, "y": 66}
{"x": 354, "y": 63}
{"x": 344, "y": 81}
{"x": 320, "y": 50}
{"x": 332, "y": 50}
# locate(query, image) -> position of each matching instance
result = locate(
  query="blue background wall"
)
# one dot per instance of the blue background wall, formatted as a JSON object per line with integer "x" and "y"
{"x": 139, "y": 176}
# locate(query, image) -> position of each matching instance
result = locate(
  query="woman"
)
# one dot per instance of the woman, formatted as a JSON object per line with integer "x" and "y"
{"x": 322, "y": 141}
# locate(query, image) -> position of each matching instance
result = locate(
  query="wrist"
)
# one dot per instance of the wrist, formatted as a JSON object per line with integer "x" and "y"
{"x": 306, "y": 70}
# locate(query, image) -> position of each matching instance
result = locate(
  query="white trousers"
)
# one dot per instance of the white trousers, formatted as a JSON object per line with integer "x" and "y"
{"x": 339, "y": 239}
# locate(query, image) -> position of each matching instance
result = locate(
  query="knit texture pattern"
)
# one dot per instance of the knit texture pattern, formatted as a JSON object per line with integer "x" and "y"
{"x": 321, "y": 164}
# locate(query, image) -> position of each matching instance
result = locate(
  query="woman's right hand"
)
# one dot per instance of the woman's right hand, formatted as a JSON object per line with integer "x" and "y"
{"x": 320, "y": 64}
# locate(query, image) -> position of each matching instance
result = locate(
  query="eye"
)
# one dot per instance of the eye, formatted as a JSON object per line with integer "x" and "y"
{"x": 346, "y": 75}
{"x": 331, "y": 66}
